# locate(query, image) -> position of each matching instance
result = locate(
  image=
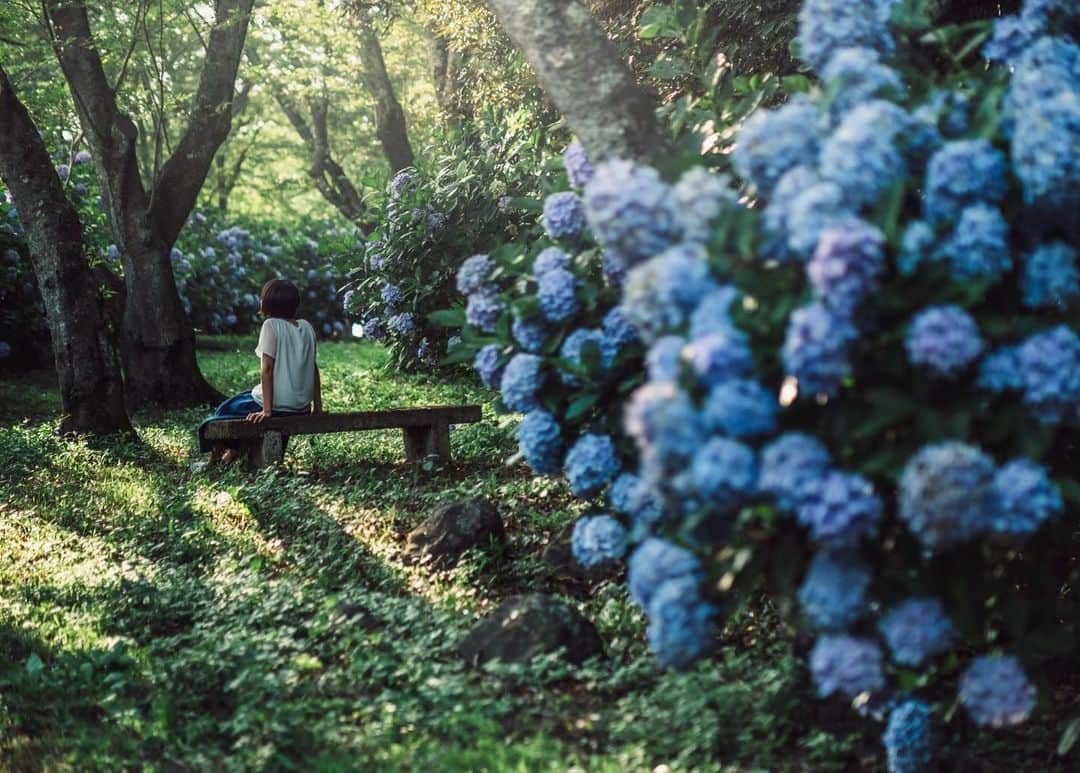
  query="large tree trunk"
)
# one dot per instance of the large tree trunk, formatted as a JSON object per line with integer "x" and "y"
{"x": 389, "y": 117}
{"x": 446, "y": 64}
{"x": 585, "y": 77}
{"x": 158, "y": 340}
{"x": 91, "y": 389}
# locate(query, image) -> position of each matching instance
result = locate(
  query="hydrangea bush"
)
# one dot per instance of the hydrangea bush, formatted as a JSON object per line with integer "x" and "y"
{"x": 862, "y": 391}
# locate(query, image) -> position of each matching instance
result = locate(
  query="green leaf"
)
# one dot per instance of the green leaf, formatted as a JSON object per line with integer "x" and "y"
{"x": 579, "y": 406}
{"x": 1069, "y": 737}
{"x": 34, "y": 665}
{"x": 448, "y": 317}
{"x": 649, "y": 31}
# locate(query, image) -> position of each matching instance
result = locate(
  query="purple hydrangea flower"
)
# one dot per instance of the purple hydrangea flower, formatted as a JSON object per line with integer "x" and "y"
{"x": 520, "y": 382}
{"x": 550, "y": 258}
{"x": 631, "y": 210}
{"x": 654, "y": 562}
{"x": 83, "y": 157}
{"x": 1025, "y": 500}
{"x": 944, "y": 339}
{"x": 846, "y": 266}
{"x": 908, "y": 738}
{"x": 540, "y": 441}
{"x": 996, "y": 692}
{"x": 815, "y": 349}
{"x": 487, "y": 365}
{"x": 771, "y": 142}
{"x": 578, "y": 169}
{"x": 1050, "y": 278}
{"x": 564, "y": 215}
{"x": 917, "y": 630}
{"x": 681, "y": 626}
{"x": 841, "y": 511}
{"x": 392, "y": 296}
{"x": 741, "y": 408}
{"x": 792, "y": 466}
{"x": 946, "y": 494}
{"x": 557, "y": 294}
{"x": 1050, "y": 364}
{"x": 833, "y": 595}
{"x": 846, "y": 665}
{"x": 373, "y": 329}
{"x": 401, "y": 324}
{"x": 598, "y": 539}
{"x": 483, "y": 310}
{"x": 474, "y": 274}
{"x": 591, "y": 464}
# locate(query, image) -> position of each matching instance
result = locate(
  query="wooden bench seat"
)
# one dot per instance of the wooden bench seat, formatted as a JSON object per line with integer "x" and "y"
{"x": 426, "y": 430}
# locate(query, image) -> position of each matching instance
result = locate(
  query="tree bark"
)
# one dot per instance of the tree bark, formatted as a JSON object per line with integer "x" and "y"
{"x": 445, "y": 64}
{"x": 390, "y": 126}
{"x": 158, "y": 340}
{"x": 91, "y": 389}
{"x": 585, "y": 77}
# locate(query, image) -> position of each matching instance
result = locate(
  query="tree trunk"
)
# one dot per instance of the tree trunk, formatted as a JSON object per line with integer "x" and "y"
{"x": 445, "y": 65}
{"x": 585, "y": 77}
{"x": 91, "y": 389}
{"x": 158, "y": 340}
{"x": 390, "y": 124}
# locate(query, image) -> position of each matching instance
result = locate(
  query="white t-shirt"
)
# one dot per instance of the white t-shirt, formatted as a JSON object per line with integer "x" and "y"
{"x": 293, "y": 349}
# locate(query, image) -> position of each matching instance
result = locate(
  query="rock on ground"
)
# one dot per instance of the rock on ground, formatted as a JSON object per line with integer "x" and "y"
{"x": 453, "y": 529}
{"x": 523, "y": 627}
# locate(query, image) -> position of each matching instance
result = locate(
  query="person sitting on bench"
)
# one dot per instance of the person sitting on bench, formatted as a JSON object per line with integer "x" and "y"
{"x": 289, "y": 372}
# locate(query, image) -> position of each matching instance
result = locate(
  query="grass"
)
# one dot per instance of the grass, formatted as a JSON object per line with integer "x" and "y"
{"x": 156, "y": 616}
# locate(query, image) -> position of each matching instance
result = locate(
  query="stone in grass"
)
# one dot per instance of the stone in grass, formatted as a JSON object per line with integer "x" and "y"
{"x": 523, "y": 627}
{"x": 453, "y": 529}
{"x": 558, "y": 556}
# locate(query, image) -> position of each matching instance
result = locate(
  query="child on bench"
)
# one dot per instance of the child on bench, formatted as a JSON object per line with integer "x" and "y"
{"x": 289, "y": 374}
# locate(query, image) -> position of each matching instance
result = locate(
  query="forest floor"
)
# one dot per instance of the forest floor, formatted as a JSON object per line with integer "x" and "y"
{"x": 154, "y": 615}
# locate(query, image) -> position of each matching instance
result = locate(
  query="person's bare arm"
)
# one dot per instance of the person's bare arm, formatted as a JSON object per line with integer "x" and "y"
{"x": 266, "y": 377}
{"x": 316, "y": 403}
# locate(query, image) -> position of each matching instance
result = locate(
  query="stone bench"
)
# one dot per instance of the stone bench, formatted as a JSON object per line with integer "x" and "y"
{"x": 426, "y": 430}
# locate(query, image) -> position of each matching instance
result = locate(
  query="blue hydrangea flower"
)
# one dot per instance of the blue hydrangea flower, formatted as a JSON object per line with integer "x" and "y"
{"x": 855, "y": 76}
{"x": 656, "y": 561}
{"x": 681, "y": 625}
{"x": 999, "y": 371}
{"x": 841, "y": 511}
{"x": 661, "y": 293}
{"x": 775, "y": 215}
{"x": 591, "y": 464}
{"x": 811, "y": 212}
{"x": 917, "y": 630}
{"x": 978, "y": 246}
{"x": 474, "y": 274}
{"x": 846, "y": 665}
{"x": 962, "y": 173}
{"x": 700, "y": 196}
{"x": 631, "y": 210}
{"x": 1011, "y": 37}
{"x": 996, "y": 692}
{"x": 908, "y": 738}
{"x": 944, "y": 339}
{"x": 665, "y": 425}
{"x": 663, "y": 358}
{"x": 392, "y": 296}
{"x": 617, "y": 334}
{"x": 578, "y": 169}
{"x": 792, "y": 466}
{"x": 815, "y": 349}
{"x": 863, "y": 157}
{"x": 713, "y": 313}
{"x": 846, "y": 266}
{"x": 5, "y": 350}
{"x": 1052, "y": 16}
{"x": 520, "y": 382}
{"x": 230, "y": 320}
{"x": 1050, "y": 364}
{"x": 773, "y": 141}
{"x": 373, "y": 329}
{"x": 917, "y": 245}
{"x": 400, "y": 180}
{"x": 597, "y": 540}
{"x": 629, "y": 495}
{"x": 1025, "y": 499}
{"x": 346, "y": 301}
{"x": 833, "y": 595}
{"x": 401, "y": 324}
{"x": 83, "y": 157}
{"x": 723, "y": 474}
{"x": 1050, "y": 278}
{"x": 719, "y": 357}
{"x": 613, "y": 269}
{"x": 540, "y": 441}
{"x": 530, "y": 333}
{"x": 741, "y": 408}
{"x": 564, "y": 215}
{"x": 946, "y": 494}
{"x": 550, "y": 258}
{"x": 557, "y": 294}
{"x": 483, "y": 310}
{"x": 571, "y": 351}
{"x": 826, "y": 26}
{"x": 487, "y": 365}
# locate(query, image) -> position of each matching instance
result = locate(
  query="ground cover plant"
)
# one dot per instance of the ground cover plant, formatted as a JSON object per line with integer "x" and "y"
{"x": 152, "y": 615}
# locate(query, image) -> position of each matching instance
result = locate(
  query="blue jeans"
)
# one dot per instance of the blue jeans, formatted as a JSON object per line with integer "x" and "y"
{"x": 236, "y": 407}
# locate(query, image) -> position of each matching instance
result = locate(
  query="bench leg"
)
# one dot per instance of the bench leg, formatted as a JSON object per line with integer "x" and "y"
{"x": 428, "y": 441}
{"x": 267, "y": 450}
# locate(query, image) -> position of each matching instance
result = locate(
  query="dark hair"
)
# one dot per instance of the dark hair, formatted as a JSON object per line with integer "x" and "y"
{"x": 279, "y": 299}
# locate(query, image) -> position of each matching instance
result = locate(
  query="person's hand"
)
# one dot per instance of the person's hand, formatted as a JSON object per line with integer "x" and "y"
{"x": 259, "y": 415}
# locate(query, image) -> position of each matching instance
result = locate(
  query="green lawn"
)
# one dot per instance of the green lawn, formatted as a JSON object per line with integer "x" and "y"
{"x": 157, "y": 616}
